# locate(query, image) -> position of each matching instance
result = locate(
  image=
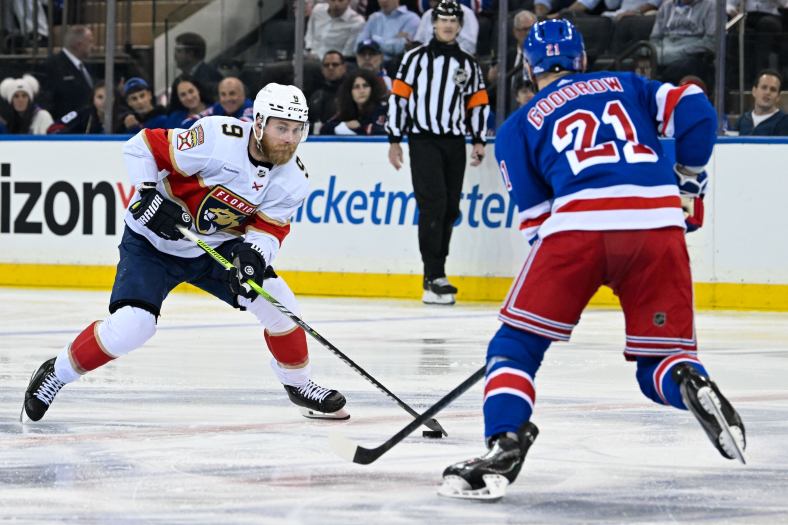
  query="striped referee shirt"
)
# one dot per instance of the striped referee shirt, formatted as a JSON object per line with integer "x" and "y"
{"x": 439, "y": 90}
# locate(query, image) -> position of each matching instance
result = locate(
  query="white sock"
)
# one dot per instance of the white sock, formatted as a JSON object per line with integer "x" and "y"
{"x": 63, "y": 369}
{"x": 296, "y": 377}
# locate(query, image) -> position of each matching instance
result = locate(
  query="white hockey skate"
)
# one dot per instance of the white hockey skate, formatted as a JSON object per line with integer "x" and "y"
{"x": 438, "y": 291}
{"x": 317, "y": 402}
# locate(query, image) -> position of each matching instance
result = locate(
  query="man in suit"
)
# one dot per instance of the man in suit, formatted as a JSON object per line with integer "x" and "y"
{"x": 68, "y": 86}
{"x": 189, "y": 55}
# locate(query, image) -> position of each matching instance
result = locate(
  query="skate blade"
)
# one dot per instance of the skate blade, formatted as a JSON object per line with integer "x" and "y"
{"x": 340, "y": 414}
{"x": 731, "y": 439}
{"x": 455, "y": 487}
{"x": 23, "y": 418}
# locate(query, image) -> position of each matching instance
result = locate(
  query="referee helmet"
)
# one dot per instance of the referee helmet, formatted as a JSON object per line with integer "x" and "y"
{"x": 447, "y": 9}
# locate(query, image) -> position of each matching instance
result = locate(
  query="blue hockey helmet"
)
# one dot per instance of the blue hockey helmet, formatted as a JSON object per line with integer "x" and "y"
{"x": 554, "y": 45}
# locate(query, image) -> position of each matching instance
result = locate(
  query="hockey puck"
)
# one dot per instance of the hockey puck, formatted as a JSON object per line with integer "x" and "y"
{"x": 432, "y": 434}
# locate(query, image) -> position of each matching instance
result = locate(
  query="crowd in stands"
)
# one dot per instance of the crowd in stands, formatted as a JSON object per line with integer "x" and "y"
{"x": 357, "y": 46}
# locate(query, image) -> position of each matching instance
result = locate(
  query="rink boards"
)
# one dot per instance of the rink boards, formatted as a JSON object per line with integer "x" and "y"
{"x": 62, "y": 203}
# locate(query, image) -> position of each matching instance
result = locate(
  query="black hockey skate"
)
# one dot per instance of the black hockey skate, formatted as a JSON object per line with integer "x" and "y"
{"x": 487, "y": 477}
{"x": 438, "y": 291}
{"x": 317, "y": 402}
{"x": 41, "y": 391}
{"x": 715, "y": 414}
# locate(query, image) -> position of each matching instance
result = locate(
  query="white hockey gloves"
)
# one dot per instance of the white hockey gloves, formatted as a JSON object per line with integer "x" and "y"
{"x": 158, "y": 214}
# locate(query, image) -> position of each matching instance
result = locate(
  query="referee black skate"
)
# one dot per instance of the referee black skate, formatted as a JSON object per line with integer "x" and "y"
{"x": 437, "y": 98}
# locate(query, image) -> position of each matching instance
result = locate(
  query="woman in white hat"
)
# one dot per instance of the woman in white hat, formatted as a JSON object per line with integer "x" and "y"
{"x": 24, "y": 117}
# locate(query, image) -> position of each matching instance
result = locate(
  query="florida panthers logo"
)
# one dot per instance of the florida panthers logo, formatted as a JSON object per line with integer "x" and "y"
{"x": 222, "y": 209}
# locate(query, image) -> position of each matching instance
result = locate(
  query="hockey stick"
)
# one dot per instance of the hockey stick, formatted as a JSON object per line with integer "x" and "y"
{"x": 432, "y": 424}
{"x": 364, "y": 456}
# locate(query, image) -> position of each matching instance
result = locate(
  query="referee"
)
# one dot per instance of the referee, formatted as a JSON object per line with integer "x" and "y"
{"x": 437, "y": 97}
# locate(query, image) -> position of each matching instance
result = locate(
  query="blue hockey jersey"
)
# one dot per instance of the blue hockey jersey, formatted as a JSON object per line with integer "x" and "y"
{"x": 584, "y": 153}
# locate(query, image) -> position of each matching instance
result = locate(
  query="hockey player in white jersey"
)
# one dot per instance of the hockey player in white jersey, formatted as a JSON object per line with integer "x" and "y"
{"x": 236, "y": 185}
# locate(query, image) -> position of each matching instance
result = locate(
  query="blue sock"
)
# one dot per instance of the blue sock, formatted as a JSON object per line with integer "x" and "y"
{"x": 655, "y": 377}
{"x": 513, "y": 357}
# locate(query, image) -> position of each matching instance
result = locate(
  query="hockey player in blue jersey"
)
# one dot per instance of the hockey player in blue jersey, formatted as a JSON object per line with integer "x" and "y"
{"x": 601, "y": 205}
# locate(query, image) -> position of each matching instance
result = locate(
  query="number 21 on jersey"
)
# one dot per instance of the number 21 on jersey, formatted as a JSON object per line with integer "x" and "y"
{"x": 579, "y": 129}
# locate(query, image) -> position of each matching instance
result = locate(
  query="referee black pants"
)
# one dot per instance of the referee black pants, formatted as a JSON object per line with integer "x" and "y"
{"x": 437, "y": 166}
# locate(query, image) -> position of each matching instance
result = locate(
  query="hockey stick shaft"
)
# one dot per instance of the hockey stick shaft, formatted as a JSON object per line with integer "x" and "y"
{"x": 429, "y": 423}
{"x": 364, "y": 456}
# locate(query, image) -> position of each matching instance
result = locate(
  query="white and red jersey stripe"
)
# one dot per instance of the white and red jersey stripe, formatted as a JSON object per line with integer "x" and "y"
{"x": 622, "y": 207}
{"x": 668, "y": 97}
{"x": 511, "y": 381}
{"x": 665, "y": 367}
{"x": 657, "y": 346}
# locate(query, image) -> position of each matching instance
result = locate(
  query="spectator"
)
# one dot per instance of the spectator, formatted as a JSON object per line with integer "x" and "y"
{"x": 88, "y": 120}
{"x": 332, "y": 25}
{"x": 684, "y": 34}
{"x": 23, "y": 11}
{"x": 392, "y": 27}
{"x": 189, "y": 56}
{"x": 633, "y": 21}
{"x": 524, "y": 92}
{"x": 232, "y": 101}
{"x": 68, "y": 85}
{"x": 24, "y": 116}
{"x": 322, "y": 103}
{"x": 766, "y": 118}
{"x": 543, "y": 7}
{"x": 469, "y": 33}
{"x": 186, "y": 104}
{"x": 763, "y": 30}
{"x": 369, "y": 56}
{"x": 521, "y": 25}
{"x": 143, "y": 112}
{"x": 362, "y": 106}
{"x": 578, "y": 7}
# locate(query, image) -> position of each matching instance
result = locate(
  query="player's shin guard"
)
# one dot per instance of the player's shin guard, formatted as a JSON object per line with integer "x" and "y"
{"x": 655, "y": 377}
{"x": 289, "y": 348}
{"x": 513, "y": 357}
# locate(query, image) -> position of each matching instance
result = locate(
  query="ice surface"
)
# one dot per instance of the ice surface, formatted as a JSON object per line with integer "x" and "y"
{"x": 194, "y": 428}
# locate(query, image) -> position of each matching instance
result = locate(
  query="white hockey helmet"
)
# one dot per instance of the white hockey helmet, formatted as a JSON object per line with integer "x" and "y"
{"x": 285, "y": 102}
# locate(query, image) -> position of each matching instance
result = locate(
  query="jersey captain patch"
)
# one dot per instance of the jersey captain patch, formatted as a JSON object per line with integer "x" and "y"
{"x": 222, "y": 209}
{"x": 190, "y": 138}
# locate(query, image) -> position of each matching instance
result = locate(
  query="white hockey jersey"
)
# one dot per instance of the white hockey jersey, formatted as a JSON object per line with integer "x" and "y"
{"x": 207, "y": 169}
